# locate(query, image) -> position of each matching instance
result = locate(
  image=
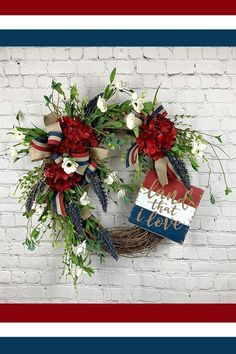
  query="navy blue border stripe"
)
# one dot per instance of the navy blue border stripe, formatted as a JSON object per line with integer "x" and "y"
{"x": 117, "y": 37}
{"x": 118, "y": 345}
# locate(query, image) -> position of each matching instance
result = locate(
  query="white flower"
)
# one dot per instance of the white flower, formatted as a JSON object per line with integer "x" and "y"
{"x": 18, "y": 135}
{"x": 134, "y": 96}
{"x": 39, "y": 208}
{"x": 13, "y": 153}
{"x": 102, "y": 104}
{"x": 81, "y": 249}
{"x": 111, "y": 178}
{"x": 132, "y": 121}
{"x": 198, "y": 148}
{"x": 119, "y": 85}
{"x": 121, "y": 194}
{"x": 84, "y": 200}
{"x": 68, "y": 165}
{"x": 138, "y": 104}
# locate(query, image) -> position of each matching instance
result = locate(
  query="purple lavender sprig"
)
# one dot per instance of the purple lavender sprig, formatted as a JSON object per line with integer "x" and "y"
{"x": 99, "y": 190}
{"x": 74, "y": 213}
{"x": 91, "y": 105}
{"x": 107, "y": 242}
{"x": 181, "y": 170}
{"x": 32, "y": 195}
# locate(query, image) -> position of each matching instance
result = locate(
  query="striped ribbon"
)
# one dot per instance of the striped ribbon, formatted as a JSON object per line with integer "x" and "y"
{"x": 54, "y": 138}
{"x": 57, "y": 158}
{"x": 41, "y": 148}
{"x": 58, "y": 200}
{"x": 82, "y": 160}
{"x": 162, "y": 165}
{"x": 132, "y": 155}
{"x": 159, "y": 110}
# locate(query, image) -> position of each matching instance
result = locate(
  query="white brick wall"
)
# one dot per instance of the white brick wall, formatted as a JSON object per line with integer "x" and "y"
{"x": 196, "y": 81}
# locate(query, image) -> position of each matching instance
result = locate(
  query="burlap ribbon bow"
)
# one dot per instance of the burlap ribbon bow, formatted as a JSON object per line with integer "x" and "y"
{"x": 42, "y": 147}
{"x": 162, "y": 165}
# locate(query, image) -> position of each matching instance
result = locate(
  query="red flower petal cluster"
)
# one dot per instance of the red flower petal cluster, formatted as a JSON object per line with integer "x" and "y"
{"x": 77, "y": 136}
{"x": 58, "y": 180}
{"x": 156, "y": 137}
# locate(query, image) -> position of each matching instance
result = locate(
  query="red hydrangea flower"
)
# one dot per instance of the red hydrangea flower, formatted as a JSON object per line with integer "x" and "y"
{"x": 58, "y": 180}
{"x": 157, "y": 135}
{"x": 77, "y": 136}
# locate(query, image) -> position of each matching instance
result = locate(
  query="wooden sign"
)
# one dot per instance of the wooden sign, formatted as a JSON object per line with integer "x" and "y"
{"x": 166, "y": 211}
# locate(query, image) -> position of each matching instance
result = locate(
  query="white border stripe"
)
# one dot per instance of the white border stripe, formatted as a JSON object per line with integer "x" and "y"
{"x": 118, "y": 22}
{"x": 117, "y": 329}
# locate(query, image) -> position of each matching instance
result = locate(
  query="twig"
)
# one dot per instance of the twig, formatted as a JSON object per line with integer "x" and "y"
{"x": 221, "y": 150}
{"x": 209, "y": 176}
{"x": 29, "y": 227}
{"x": 221, "y": 165}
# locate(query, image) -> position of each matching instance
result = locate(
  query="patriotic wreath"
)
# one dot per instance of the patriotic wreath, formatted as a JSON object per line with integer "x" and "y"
{"x": 74, "y": 151}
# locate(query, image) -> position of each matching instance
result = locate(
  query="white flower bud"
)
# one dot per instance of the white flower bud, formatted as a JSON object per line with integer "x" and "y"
{"x": 84, "y": 200}
{"x": 132, "y": 121}
{"x": 102, "y": 104}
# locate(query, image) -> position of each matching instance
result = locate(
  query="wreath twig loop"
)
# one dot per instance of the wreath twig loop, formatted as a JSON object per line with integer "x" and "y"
{"x": 133, "y": 240}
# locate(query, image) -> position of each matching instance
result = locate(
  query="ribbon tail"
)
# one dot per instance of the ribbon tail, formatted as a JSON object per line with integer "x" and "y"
{"x": 58, "y": 204}
{"x": 85, "y": 213}
{"x": 51, "y": 118}
{"x": 91, "y": 168}
{"x": 161, "y": 170}
{"x": 90, "y": 171}
{"x": 98, "y": 153}
{"x": 132, "y": 155}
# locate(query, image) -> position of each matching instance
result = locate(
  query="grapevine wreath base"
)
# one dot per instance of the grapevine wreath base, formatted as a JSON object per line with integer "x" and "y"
{"x": 133, "y": 240}
{"x": 75, "y": 146}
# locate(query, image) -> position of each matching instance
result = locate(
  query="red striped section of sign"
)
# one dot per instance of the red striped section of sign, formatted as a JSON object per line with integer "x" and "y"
{"x": 151, "y": 182}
